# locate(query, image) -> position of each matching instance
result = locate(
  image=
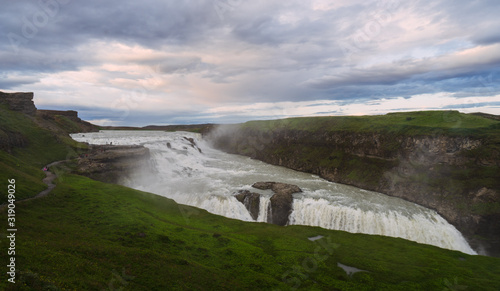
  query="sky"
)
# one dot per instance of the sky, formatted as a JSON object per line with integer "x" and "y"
{"x": 125, "y": 62}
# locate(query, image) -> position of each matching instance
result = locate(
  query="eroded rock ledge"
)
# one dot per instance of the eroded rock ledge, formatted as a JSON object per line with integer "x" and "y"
{"x": 112, "y": 163}
{"x": 281, "y": 202}
{"x": 251, "y": 201}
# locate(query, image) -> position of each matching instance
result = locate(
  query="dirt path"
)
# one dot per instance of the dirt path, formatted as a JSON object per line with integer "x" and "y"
{"x": 49, "y": 178}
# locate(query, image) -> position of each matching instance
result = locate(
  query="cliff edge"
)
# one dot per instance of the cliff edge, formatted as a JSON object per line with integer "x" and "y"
{"x": 19, "y": 101}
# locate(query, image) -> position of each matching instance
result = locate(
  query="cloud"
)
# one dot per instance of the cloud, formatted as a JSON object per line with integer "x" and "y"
{"x": 13, "y": 81}
{"x": 166, "y": 59}
{"x": 465, "y": 62}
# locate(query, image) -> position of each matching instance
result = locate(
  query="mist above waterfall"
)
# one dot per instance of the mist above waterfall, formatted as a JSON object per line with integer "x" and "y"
{"x": 185, "y": 168}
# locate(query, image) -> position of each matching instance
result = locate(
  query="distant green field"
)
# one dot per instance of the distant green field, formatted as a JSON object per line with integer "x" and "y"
{"x": 420, "y": 122}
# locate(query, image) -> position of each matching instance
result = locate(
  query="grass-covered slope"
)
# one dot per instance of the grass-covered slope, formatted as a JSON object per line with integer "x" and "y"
{"x": 88, "y": 235}
{"x": 25, "y": 148}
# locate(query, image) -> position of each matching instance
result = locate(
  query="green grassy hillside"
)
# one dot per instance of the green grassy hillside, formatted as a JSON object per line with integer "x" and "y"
{"x": 38, "y": 147}
{"x": 88, "y": 235}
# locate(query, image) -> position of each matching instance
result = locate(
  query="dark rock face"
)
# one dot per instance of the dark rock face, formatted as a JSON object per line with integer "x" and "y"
{"x": 281, "y": 202}
{"x": 192, "y": 143}
{"x": 280, "y": 209}
{"x": 251, "y": 201}
{"x": 68, "y": 113}
{"x": 21, "y": 101}
{"x": 55, "y": 120}
{"x": 112, "y": 164}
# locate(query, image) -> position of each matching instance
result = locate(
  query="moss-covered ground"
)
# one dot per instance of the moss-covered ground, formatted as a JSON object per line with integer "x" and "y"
{"x": 24, "y": 163}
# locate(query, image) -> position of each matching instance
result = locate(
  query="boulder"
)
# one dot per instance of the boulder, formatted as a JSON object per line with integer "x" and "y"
{"x": 251, "y": 201}
{"x": 281, "y": 202}
{"x": 277, "y": 187}
{"x": 193, "y": 143}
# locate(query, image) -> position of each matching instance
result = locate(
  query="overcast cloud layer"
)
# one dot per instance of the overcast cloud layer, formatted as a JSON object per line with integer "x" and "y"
{"x": 166, "y": 62}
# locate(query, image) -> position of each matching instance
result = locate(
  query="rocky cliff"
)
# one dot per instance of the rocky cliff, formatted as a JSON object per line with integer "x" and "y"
{"x": 64, "y": 121}
{"x": 454, "y": 171}
{"x": 112, "y": 164}
{"x": 52, "y": 113}
{"x": 19, "y": 101}
{"x": 54, "y": 120}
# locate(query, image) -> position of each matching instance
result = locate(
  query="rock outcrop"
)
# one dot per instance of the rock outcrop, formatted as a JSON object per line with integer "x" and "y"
{"x": 54, "y": 120}
{"x": 51, "y": 113}
{"x": 20, "y": 101}
{"x": 63, "y": 121}
{"x": 281, "y": 203}
{"x": 251, "y": 201}
{"x": 112, "y": 164}
{"x": 193, "y": 144}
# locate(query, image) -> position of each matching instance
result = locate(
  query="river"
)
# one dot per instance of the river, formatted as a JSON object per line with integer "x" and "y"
{"x": 196, "y": 174}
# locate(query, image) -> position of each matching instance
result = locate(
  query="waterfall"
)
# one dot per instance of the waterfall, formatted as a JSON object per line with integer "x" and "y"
{"x": 426, "y": 227}
{"x": 184, "y": 168}
{"x": 264, "y": 207}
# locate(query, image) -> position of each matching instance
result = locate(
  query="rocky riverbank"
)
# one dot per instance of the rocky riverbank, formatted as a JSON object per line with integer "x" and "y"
{"x": 112, "y": 163}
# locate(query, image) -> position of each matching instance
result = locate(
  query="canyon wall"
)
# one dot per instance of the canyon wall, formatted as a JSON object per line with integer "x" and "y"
{"x": 455, "y": 174}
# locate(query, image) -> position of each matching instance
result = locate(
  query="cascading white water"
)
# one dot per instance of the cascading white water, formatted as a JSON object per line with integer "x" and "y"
{"x": 424, "y": 227}
{"x": 197, "y": 175}
{"x": 264, "y": 204}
